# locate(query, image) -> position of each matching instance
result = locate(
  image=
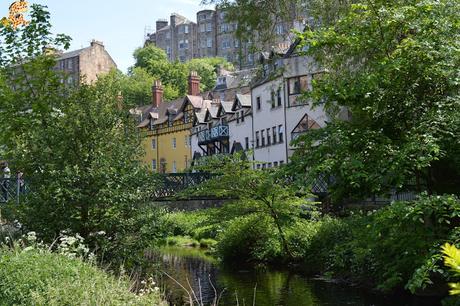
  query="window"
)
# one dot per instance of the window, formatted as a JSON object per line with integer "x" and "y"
{"x": 258, "y": 103}
{"x": 279, "y": 97}
{"x": 209, "y": 27}
{"x": 258, "y": 166}
{"x": 280, "y": 133}
{"x": 202, "y": 28}
{"x": 246, "y": 140}
{"x": 264, "y": 166}
{"x": 269, "y": 165}
{"x": 275, "y": 164}
{"x": 242, "y": 116}
{"x": 70, "y": 64}
{"x": 174, "y": 167}
{"x": 279, "y": 29}
{"x": 262, "y": 135}
{"x": 209, "y": 42}
{"x": 274, "y": 133}
{"x": 174, "y": 143}
{"x": 70, "y": 80}
{"x": 154, "y": 165}
{"x": 186, "y": 29}
{"x": 273, "y": 99}
{"x": 297, "y": 86}
{"x": 257, "y": 139}
{"x": 236, "y": 43}
{"x": 269, "y": 142}
{"x": 154, "y": 143}
{"x": 183, "y": 44}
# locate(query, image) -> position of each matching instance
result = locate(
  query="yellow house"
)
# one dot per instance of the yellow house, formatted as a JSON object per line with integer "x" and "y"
{"x": 165, "y": 130}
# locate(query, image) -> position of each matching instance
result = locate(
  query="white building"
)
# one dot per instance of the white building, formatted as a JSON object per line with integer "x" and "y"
{"x": 280, "y": 113}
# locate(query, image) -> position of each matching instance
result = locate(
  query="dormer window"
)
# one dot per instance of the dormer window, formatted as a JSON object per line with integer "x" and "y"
{"x": 170, "y": 120}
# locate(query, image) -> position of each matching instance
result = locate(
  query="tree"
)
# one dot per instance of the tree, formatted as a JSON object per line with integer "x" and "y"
{"x": 174, "y": 75}
{"x": 136, "y": 86}
{"x": 255, "y": 192}
{"x": 394, "y": 66}
{"x": 77, "y": 148}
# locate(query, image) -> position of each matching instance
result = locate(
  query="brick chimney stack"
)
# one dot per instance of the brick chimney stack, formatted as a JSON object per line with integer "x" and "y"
{"x": 157, "y": 93}
{"x": 194, "y": 84}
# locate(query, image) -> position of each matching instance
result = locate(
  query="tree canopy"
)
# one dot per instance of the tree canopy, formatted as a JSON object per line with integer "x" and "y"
{"x": 394, "y": 67}
{"x": 76, "y": 146}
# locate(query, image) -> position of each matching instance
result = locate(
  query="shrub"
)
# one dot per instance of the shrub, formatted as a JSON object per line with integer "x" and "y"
{"x": 249, "y": 238}
{"x": 34, "y": 277}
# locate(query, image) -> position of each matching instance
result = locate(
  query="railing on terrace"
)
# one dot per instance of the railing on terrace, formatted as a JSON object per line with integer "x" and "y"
{"x": 12, "y": 189}
{"x": 218, "y": 132}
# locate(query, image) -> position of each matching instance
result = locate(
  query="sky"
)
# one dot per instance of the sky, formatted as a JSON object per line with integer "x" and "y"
{"x": 118, "y": 24}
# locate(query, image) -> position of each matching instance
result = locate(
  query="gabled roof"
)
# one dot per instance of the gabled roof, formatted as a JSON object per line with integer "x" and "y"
{"x": 245, "y": 100}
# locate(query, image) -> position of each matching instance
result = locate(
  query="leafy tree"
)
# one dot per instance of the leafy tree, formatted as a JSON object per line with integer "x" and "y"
{"x": 394, "y": 66}
{"x": 76, "y": 147}
{"x": 136, "y": 86}
{"x": 257, "y": 194}
{"x": 174, "y": 75}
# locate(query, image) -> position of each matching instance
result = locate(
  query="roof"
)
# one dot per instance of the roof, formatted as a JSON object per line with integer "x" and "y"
{"x": 72, "y": 53}
{"x": 236, "y": 79}
{"x": 227, "y": 106}
{"x": 245, "y": 100}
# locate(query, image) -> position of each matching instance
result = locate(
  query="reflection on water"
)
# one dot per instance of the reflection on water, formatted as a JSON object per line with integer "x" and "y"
{"x": 205, "y": 280}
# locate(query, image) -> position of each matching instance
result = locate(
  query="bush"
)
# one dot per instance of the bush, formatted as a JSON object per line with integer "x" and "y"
{"x": 34, "y": 277}
{"x": 249, "y": 238}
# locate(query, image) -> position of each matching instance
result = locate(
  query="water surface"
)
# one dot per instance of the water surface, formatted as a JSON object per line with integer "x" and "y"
{"x": 200, "y": 277}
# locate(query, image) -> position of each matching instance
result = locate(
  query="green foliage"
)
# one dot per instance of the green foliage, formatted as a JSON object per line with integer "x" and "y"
{"x": 38, "y": 277}
{"x": 249, "y": 238}
{"x": 262, "y": 193}
{"x": 452, "y": 260}
{"x": 78, "y": 150}
{"x": 393, "y": 65}
{"x": 174, "y": 75}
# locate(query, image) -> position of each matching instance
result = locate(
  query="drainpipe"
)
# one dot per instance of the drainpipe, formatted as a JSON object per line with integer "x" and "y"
{"x": 285, "y": 119}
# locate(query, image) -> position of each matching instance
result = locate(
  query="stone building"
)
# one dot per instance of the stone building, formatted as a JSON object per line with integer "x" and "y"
{"x": 85, "y": 64}
{"x": 178, "y": 38}
{"x": 213, "y": 35}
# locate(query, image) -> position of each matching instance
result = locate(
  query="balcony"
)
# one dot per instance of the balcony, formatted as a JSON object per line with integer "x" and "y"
{"x": 217, "y": 133}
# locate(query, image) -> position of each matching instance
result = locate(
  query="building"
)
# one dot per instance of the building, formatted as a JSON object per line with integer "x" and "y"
{"x": 178, "y": 38}
{"x": 230, "y": 83}
{"x": 214, "y": 36}
{"x": 280, "y": 111}
{"x": 166, "y": 126}
{"x": 266, "y": 119}
{"x": 85, "y": 64}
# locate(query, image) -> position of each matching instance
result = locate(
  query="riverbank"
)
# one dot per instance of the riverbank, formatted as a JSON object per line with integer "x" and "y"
{"x": 396, "y": 248}
{"x": 33, "y": 275}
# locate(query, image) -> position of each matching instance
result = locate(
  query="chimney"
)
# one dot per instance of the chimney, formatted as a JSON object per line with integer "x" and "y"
{"x": 97, "y": 43}
{"x": 157, "y": 93}
{"x": 194, "y": 84}
{"x": 161, "y": 23}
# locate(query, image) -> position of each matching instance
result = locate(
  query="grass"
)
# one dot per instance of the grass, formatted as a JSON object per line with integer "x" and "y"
{"x": 39, "y": 277}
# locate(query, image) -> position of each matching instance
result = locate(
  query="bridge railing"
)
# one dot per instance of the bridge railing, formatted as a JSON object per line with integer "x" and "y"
{"x": 174, "y": 183}
{"x": 12, "y": 189}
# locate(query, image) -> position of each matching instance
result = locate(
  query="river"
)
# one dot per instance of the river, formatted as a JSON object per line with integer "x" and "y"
{"x": 191, "y": 274}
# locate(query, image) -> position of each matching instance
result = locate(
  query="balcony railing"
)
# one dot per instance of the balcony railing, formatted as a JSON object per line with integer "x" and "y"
{"x": 216, "y": 133}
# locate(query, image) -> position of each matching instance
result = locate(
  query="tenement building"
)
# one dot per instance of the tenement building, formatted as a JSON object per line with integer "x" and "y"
{"x": 85, "y": 64}
{"x": 214, "y": 35}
